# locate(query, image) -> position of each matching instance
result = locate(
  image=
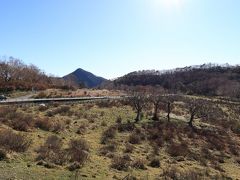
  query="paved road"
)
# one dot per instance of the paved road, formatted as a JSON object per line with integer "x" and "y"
{"x": 49, "y": 100}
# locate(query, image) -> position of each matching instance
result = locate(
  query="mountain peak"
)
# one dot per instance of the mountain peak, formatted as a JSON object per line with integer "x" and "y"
{"x": 81, "y": 76}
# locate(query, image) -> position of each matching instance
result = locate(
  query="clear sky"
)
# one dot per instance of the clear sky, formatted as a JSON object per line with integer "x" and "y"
{"x": 113, "y": 37}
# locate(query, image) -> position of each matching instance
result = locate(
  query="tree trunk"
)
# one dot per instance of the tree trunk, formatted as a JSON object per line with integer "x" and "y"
{"x": 155, "y": 114}
{"x": 190, "y": 123}
{"x": 168, "y": 111}
{"x": 138, "y": 118}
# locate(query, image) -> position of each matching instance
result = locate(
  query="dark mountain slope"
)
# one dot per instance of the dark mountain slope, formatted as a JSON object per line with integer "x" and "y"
{"x": 81, "y": 76}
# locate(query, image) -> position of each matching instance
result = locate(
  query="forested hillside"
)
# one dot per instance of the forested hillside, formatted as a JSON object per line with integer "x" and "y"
{"x": 207, "y": 79}
{"x": 16, "y": 75}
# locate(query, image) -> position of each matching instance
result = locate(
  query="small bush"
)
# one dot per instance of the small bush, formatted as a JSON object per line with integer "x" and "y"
{"x": 62, "y": 110}
{"x": 3, "y": 154}
{"x": 57, "y": 127}
{"x": 68, "y": 121}
{"x": 78, "y": 151}
{"x": 109, "y": 148}
{"x": 82, "y": 129}
{"x": 20, "y": 121}
{"x": 50, "y": 113}
{"x": 216, "y": 143}
{"x": 234, "y": 149}
{"x": 74, "y": 166}
{"x": 178, "y": 149}
{"x": 134, "y": 138}
{"x": 126, "y": 127}
{"x": 129, "y": 148}
{"x": 120, "y": 163}
{"x": 11, "y": 141}
{"x": 174, "y": 173}
{"x": 42, "y": 108}
{"x": 238, "y": 161}
{"x": 104, "y": 123}
{"x": 44, "y": 124}
{"x": 109, "y": 134}
{"x": 139, "y": 164}
{"x": 155, "y": 147}
{"x": 52, "y": 151}
{"x": 41, "y": 95}
{"x": 155, "y": 163}
{"x": 46, "y": 164}
{"x": 119, "y": 120}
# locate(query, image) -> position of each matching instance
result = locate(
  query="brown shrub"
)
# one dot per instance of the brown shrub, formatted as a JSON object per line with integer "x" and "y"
{"x": 62, "y": 110}
{"x": 58, "y": 127}
{"x": 155, "y": 163}
{"x": 129, "y": 148}
{"x": 52, "y": 151}
{"x": 104, "y": 123}
{"x": 23, "y": 122}
{"x": 5, "y": 111}
{"x": 134, "y": 138}
{"x": 50, "y": 113}
{"x": 155, "y": 146}
{"x": 11, "y": 141}
{"x": 120, "y": 163}
{"x": 139, "y": 164}
{"x": 215, "y": 142}
{"x": 109, "y": 148}
{"x": 82, "y": 129}
{"x": 238, "y": 161}
{"x": 3, "y": 154}
{"x": 43, "y": 108}
{"x": 106, "y": 103}
{"x": 174, "y": 173}
{"x": 178, "y": 149}
{"x": 17, "y": 120}
{"x": 234, "y": 149}
{"x": 68, "y": 121}
{"x": 206, "y": 154}
{"x": 78, "y": 151}
{"x": 119, "y": 120}
{"x": 44, "y": 124}
{"x": 109, "y": 134}
{"x": 74, "y": 166}
{"x": 41, "y": 95}
{"x": 126, "y": 127}
{"x": 235, "y": 126}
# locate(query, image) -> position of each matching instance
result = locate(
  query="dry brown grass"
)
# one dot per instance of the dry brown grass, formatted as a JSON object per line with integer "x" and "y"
{"x": 11, "y": 141}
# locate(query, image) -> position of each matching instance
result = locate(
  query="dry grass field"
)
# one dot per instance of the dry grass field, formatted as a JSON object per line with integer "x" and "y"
{"x": 100, "y": 140}
{"x": 57, "y": 93}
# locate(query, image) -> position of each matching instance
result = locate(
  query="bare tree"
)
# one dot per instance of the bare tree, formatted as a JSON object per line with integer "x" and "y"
{"x": 5, "y": 71}
{"x": 169, "y": 100}
{"x": 156, "y": 99}
{"x": 197, "y": 108}
{"x": 138, "y": 100}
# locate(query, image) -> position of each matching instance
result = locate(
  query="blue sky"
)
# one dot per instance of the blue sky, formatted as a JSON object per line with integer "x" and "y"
{"x": 113, "y": 37}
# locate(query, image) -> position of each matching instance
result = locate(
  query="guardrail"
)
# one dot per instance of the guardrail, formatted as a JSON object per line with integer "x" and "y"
{"x": 49, "y": 100}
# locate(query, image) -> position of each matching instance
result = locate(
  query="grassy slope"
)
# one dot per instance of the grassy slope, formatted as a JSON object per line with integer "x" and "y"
{"x": 23, "y": 166}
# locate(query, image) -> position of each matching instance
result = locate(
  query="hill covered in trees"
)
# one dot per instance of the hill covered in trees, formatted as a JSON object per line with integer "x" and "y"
{"x": 206, "y": 79}
{"x": 15, "y": 75}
